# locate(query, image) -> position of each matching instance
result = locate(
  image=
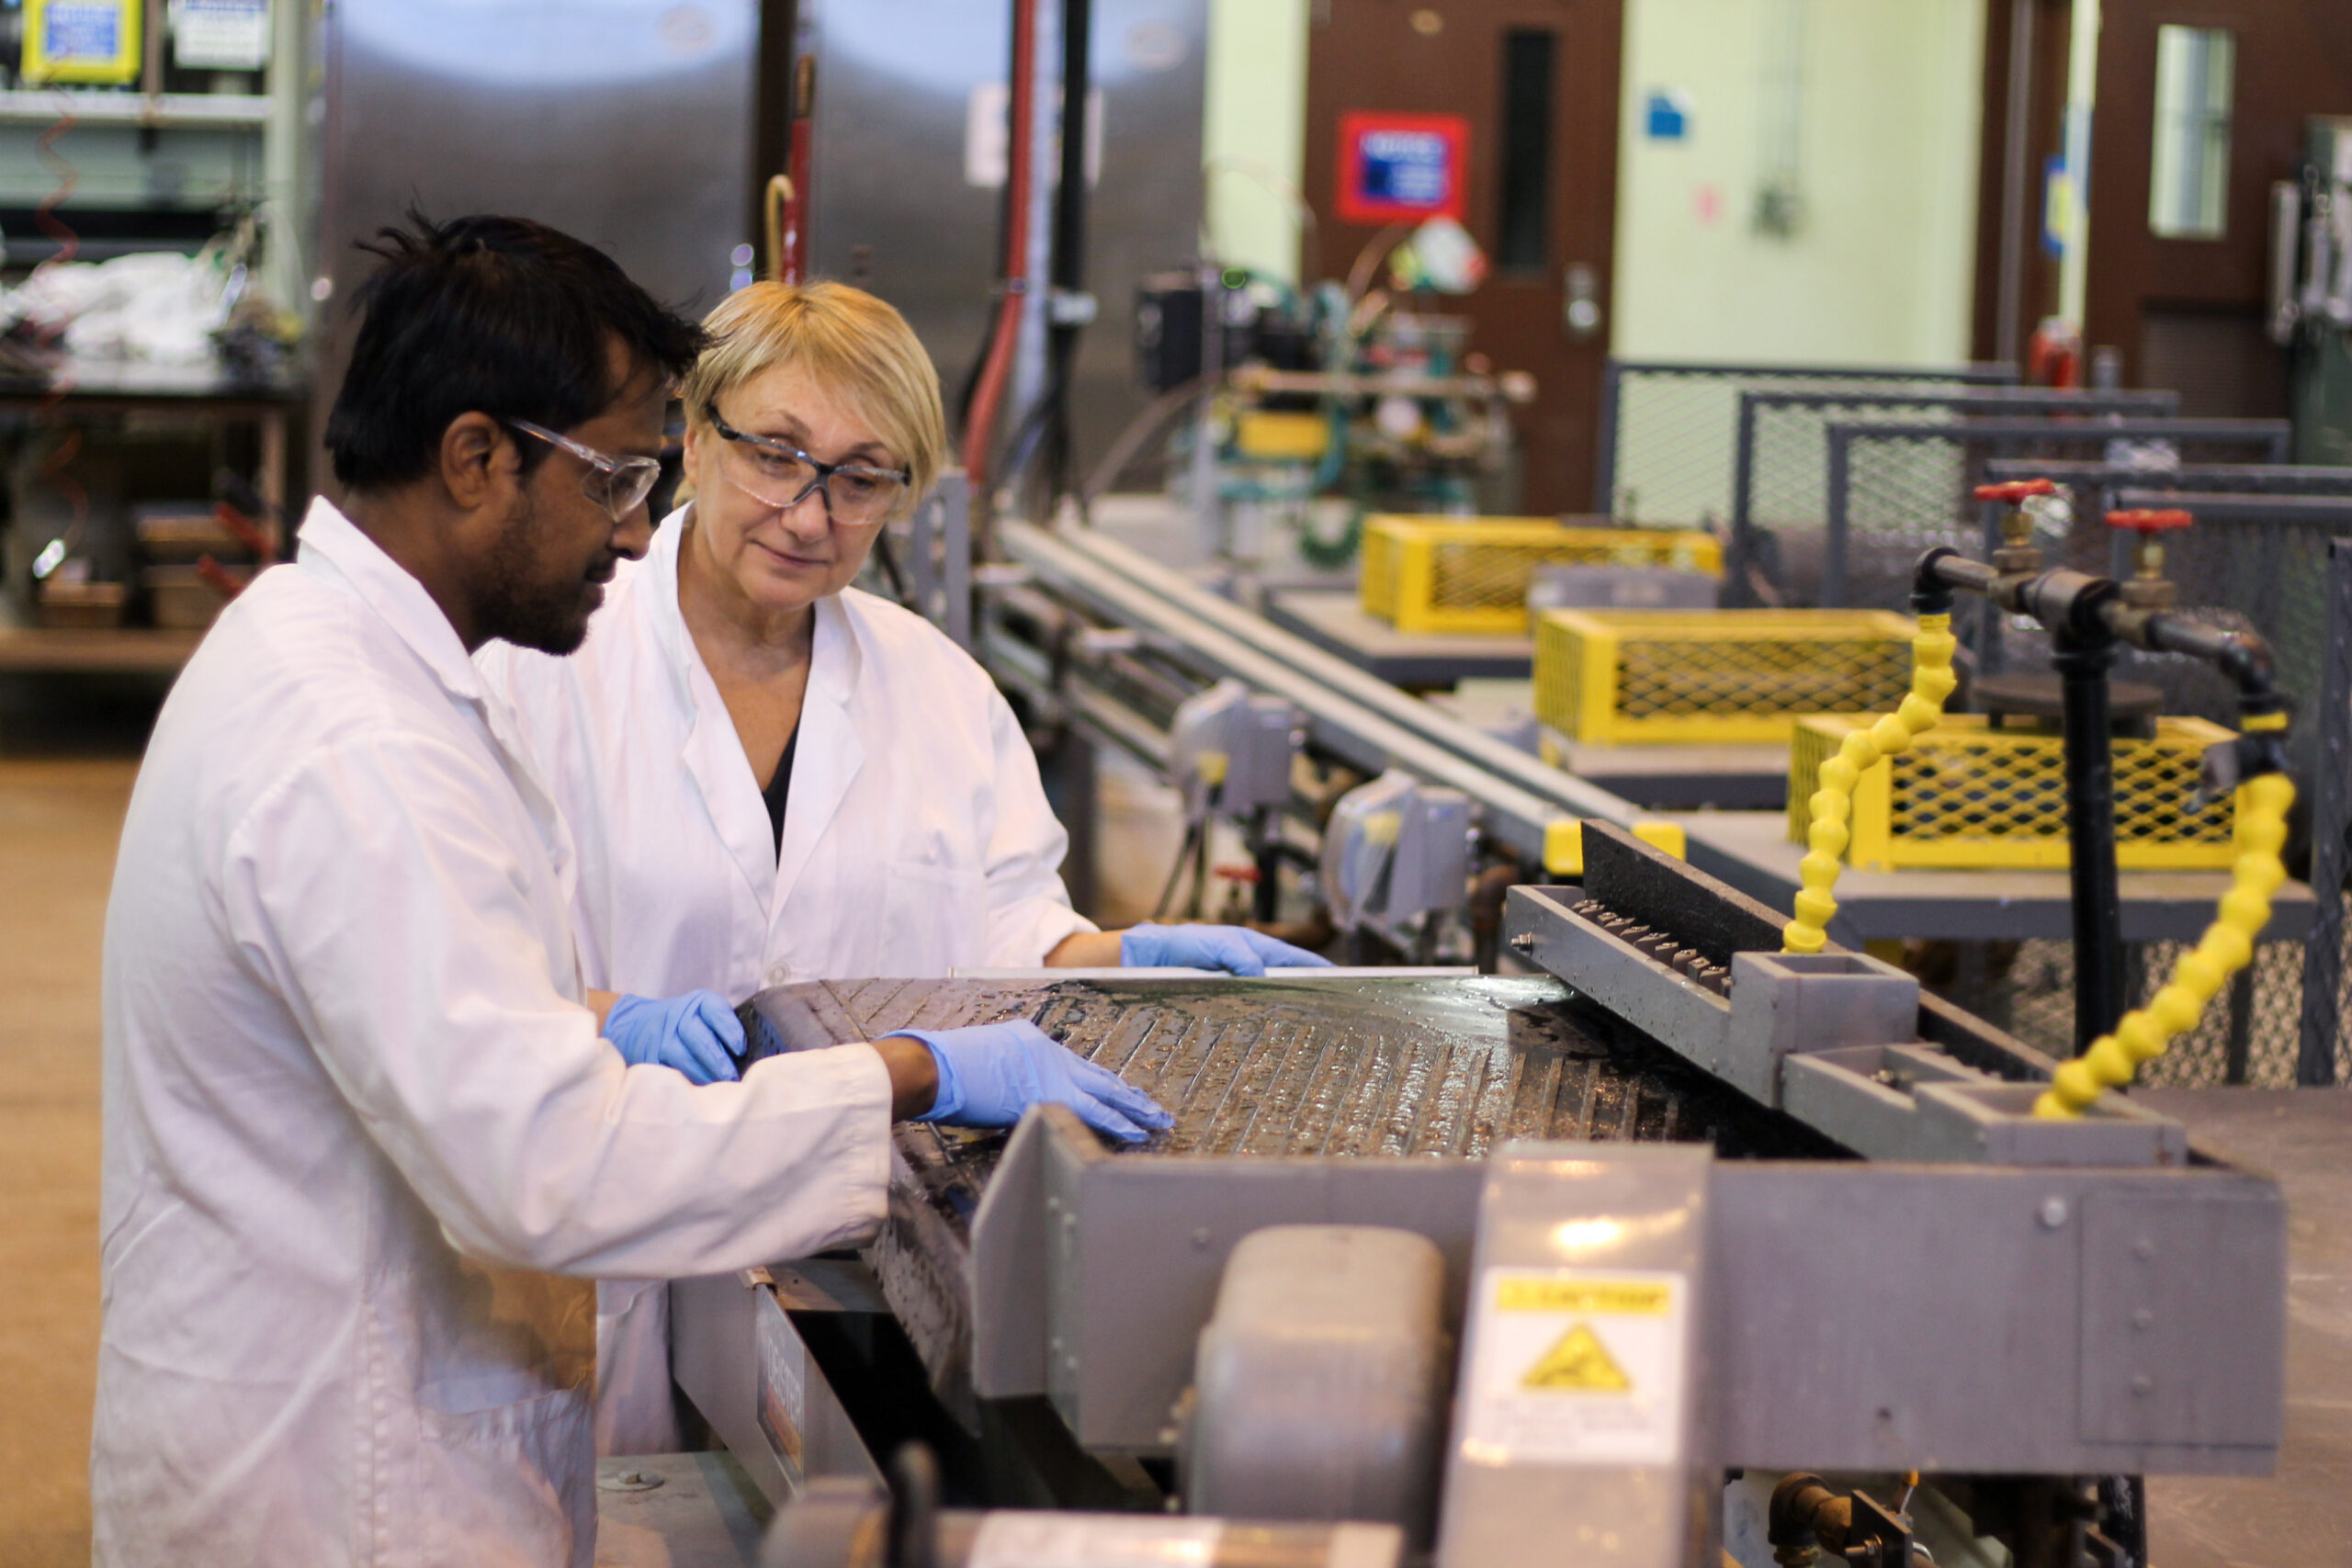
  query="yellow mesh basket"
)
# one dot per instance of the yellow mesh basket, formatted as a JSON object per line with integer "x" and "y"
{"x": 1621, "y": 677}
{"x": 1968, "y": 794}
{"x": 1470, "y": 574}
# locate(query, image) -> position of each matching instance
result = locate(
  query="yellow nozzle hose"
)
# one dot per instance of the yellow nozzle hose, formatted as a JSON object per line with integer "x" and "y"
{"x": 2227, "y": 947}
{"x": 1931, "y": 682}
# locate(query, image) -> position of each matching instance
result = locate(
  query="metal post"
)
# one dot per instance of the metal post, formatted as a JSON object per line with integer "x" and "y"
{"x": 1604, "y": 477}
{"x": 2008, "y": 323}
{"x": 2331, "y": 829}
{"x": 1992, "y": 657}
{"x": 1841, "y": 478}
{"x": 2082, "y": 664}
{"x": 1743, "y": 537}
{"x": 922, "y": 546}
{"x": 956, "y": 531}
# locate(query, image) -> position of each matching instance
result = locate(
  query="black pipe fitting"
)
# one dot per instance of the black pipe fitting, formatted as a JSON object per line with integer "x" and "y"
{"x": 1930, "y": 594}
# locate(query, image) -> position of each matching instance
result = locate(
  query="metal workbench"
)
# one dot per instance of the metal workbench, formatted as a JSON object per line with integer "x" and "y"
{"x": 1338, "y": 623}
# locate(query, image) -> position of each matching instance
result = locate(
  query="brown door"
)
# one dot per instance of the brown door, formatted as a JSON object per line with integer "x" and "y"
{"x": 1537, "y": 81}
{"x": 2178, "y": 254}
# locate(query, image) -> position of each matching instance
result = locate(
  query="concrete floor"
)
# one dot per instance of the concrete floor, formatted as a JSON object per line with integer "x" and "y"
{"x": 59, "y": 821}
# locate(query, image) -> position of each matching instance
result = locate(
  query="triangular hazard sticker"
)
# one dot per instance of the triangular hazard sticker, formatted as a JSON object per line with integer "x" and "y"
{"x": 1579, "y": 1363}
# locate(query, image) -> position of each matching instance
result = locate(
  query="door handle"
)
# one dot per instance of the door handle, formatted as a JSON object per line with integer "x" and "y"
{"x": 1580, "y": 301}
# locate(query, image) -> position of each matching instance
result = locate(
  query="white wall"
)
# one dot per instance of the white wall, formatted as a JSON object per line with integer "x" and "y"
{"x": 1883, "y": 268}
{"x": 1256, "y": 130}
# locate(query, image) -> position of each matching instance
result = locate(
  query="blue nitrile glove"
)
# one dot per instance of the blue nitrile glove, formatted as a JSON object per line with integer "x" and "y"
{"x": 1237, "y": 949}
{"x": 697, "y": 1033}
{"x": 990, "y": 1073}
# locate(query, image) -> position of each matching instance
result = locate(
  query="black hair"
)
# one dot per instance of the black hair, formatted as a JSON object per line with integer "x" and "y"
{"x": 497, "y": 315}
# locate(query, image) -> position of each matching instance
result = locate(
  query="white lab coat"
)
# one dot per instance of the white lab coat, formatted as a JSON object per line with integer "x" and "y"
{"x": 916, "y": 839}
{"x": 357, "y": 1123}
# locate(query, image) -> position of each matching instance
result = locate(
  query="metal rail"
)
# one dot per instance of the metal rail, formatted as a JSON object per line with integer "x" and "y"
{"x": 1369, "y": 722}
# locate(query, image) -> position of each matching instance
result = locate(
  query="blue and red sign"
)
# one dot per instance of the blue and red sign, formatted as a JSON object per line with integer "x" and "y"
{"x": 1402, "y": 168}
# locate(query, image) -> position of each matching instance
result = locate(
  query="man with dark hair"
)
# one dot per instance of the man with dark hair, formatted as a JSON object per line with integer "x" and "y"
{"x": 365, "y": 1146}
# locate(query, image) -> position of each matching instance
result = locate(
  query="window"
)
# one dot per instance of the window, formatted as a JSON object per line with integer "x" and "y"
{"x": 2189, "y": 179}
{"x": 1525, "y": 206}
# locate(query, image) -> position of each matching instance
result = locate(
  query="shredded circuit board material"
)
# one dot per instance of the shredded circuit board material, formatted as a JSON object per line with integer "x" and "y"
{"x": 1320, "y": 1069}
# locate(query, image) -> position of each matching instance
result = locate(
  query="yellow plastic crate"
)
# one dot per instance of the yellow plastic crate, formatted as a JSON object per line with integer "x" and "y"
{"x": 1621, "y": 677}
{"x": 1968, "y": 794}
{"x": 1470, "y": 574}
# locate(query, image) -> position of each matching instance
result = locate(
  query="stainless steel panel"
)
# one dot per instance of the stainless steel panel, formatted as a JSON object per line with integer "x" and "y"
{"x": 892, "y": 209}
{"x": 625, "y": 122}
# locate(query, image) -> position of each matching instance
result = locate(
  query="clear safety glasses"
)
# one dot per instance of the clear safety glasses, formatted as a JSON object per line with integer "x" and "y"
{"x": 778, "y": 474}
{"x": 619, "y": 485}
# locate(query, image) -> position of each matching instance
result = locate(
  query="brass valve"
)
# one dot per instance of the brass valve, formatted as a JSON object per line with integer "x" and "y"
{"x": 2019, "y": 556}
{"x": 2147, "y": 588}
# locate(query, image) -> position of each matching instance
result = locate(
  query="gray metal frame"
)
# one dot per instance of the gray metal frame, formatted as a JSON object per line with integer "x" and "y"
{"x": 1612, "y": 391}
{"x": 2323, "y": 1018}
{"x": 2273, "y": 434}
{"x": 1091, "y": 1273}
{"x": 1755, "y": 405}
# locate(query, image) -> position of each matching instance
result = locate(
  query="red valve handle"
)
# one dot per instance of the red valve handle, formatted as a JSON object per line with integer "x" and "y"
{"x": 2149, "y": 521}
{"x": 2016, "y": 490}
{"x": 1237, "y": 872}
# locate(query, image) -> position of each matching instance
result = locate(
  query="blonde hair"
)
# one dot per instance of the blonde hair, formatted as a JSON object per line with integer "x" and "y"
{"x": 851, "y": 341}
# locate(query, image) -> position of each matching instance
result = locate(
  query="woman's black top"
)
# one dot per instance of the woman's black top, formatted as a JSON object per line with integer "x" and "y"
{"x": 779, "y": 787}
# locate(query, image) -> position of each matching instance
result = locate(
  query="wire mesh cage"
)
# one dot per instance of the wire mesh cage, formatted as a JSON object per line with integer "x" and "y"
{"x": 1667, "y": 430}
{"x": 1614, "y": 677}
{"x": 1781, "y": 460}
{"x": 2249, "y": 1036}
{"x": 1971, "y": 793}
{"x": 1898, "y": 489}
{"x": 1471, "y": 575}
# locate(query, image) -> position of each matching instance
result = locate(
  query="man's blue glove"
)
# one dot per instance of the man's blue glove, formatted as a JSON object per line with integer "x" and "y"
{"x": 697, "y": 1033}
{"x": 990, "y": 1073}
{"x": 1237, "y": 949}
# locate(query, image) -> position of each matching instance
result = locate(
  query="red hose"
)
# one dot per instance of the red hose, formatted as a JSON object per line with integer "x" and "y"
{"x": 988, "y": 397}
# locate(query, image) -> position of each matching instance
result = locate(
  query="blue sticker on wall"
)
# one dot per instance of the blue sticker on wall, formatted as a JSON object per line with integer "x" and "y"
{"x": 1666, "y": 117}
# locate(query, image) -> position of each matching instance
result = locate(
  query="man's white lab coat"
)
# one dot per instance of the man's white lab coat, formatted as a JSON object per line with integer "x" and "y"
{"x": 917, "y": 839}
{"x": 358, "y": 1124}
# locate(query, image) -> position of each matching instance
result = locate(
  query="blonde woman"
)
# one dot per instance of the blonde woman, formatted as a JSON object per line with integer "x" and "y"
{"x": 770, "y": 776}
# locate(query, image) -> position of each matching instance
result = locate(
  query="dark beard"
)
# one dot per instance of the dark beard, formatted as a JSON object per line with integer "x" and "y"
{"x": 512, "y": 602}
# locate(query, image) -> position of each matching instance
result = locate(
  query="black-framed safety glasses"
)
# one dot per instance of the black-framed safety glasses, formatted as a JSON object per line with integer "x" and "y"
{"x": 778, "y": 474}
{"x": 619, "y": 485}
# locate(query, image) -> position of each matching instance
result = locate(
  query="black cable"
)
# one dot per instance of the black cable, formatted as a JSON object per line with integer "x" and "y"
{"x": 912, "y": 1540}
{"x": 1176, "y": 872}
{"x": 1069, "y": 236}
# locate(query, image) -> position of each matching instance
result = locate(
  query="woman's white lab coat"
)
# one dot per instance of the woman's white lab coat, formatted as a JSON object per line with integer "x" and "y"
{"x": 356, "y": 1122}
{"x": 916, "y": 839}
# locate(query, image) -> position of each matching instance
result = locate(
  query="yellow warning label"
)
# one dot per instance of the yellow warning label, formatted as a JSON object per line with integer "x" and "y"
{"x": 1645, "y": 1297}
{"x": 1579, "y": 1363}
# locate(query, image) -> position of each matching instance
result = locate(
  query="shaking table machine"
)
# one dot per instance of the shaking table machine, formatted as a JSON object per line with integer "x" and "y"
{"x": 1520, "y": 1269}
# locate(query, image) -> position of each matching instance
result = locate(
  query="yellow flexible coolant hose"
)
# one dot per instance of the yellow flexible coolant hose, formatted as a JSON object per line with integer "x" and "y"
{"x": 2228, "y": 946}
{"x": 1833, "y": 802}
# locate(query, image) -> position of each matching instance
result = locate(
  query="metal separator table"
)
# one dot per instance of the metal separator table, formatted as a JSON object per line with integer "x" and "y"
{"x": 1752, "y": 851}
{"x": 1337, "y": 624}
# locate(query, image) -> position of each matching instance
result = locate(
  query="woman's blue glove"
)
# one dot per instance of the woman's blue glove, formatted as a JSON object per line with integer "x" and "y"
{"x": 697, "y": 1033}
{"x": 1237, "y": 949}
{"x": 990, "y": 1073}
